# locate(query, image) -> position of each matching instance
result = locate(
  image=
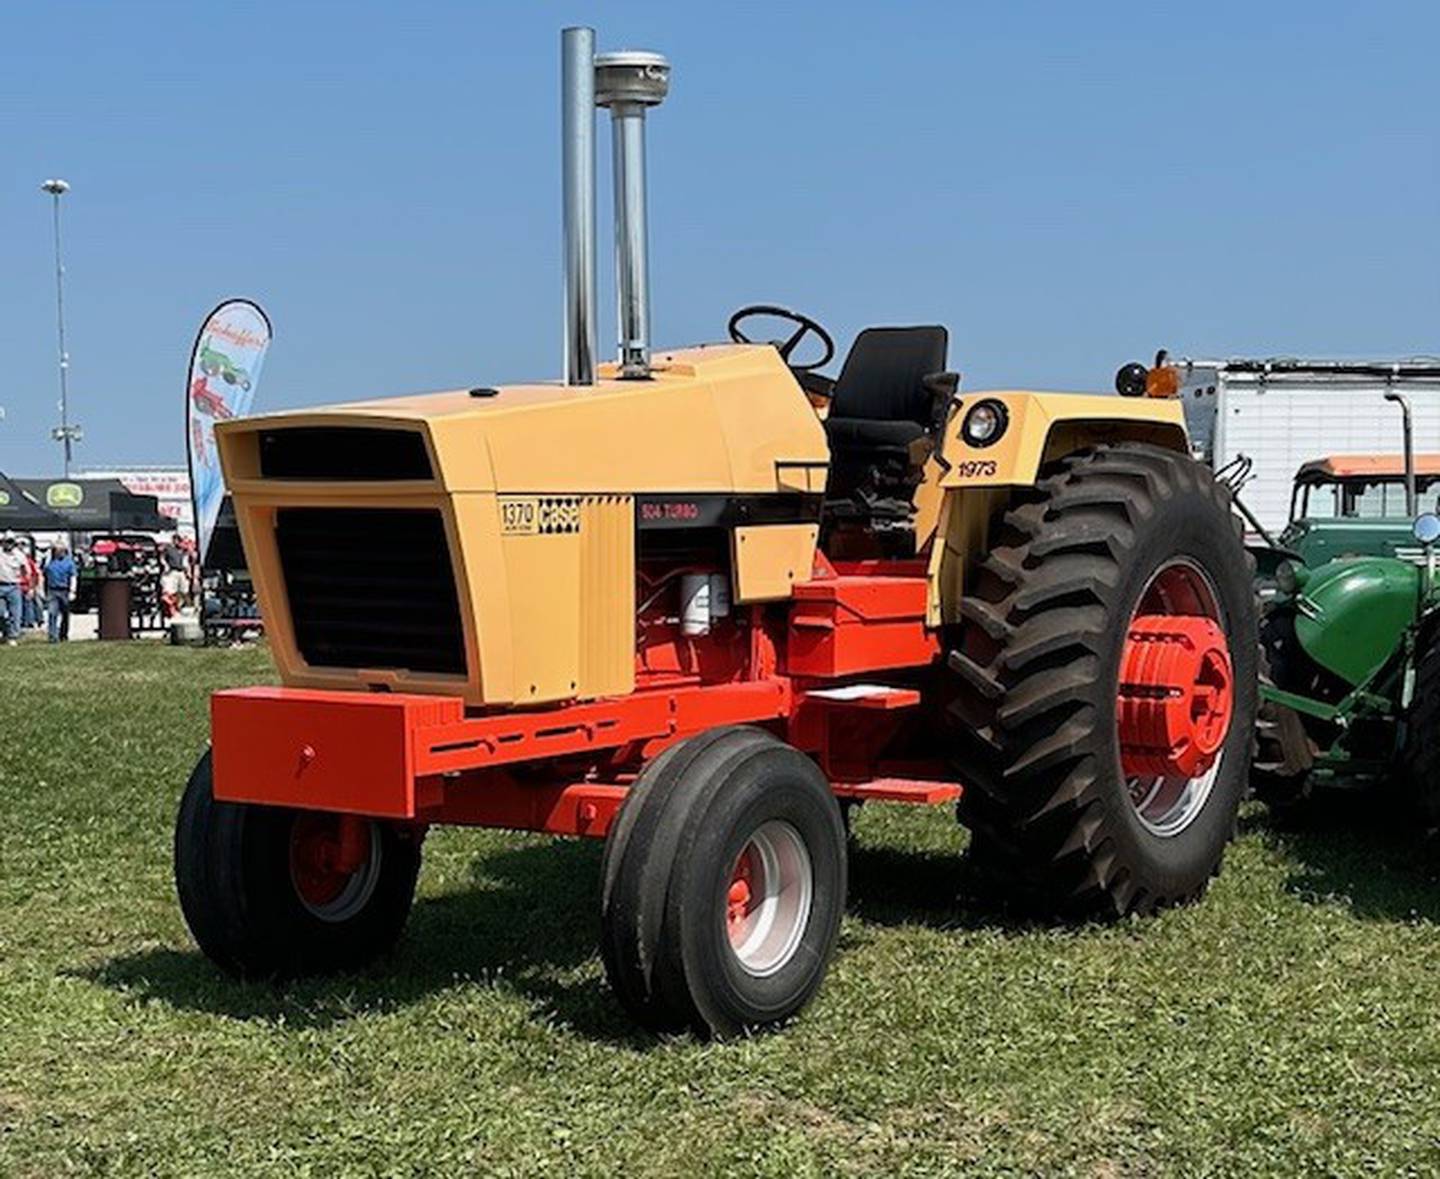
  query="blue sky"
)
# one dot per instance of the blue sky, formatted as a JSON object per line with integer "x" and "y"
{"x": 1066, "y": 186}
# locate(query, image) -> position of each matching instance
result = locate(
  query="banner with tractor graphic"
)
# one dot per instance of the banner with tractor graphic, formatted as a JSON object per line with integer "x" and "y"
{"x": 224, "y": 370}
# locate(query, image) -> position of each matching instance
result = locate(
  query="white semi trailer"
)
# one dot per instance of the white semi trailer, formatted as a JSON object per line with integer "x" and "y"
{"x": 1281, "y": 413}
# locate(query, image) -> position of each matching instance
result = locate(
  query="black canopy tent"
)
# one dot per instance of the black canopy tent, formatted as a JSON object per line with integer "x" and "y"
{"x": 77, "y": 505}
{"x": 225, "y": 555}
{"x": 21, "y": 512}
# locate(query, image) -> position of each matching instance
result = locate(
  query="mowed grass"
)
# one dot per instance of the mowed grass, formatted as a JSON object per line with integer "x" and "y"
{"x": 1286, "y": 1025}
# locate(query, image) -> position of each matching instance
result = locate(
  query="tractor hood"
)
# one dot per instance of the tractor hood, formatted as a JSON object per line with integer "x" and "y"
{"x": 516, "y": 514}
{"x": 1316, "y": 541}
{"x": 723, "y": 418}
{"x": 1352, "y": 613}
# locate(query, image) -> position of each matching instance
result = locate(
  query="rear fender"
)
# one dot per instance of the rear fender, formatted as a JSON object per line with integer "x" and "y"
{"x": 972, "y": 482}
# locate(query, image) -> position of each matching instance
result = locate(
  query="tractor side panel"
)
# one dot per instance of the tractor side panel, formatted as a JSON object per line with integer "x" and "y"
{"x": 570, "y": 583}
{"x": 607, "y": 595}
{"x": 769, "y": 559}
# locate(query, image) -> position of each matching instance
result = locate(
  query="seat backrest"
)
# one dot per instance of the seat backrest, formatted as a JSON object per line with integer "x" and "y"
{"x": 882, "y": 377}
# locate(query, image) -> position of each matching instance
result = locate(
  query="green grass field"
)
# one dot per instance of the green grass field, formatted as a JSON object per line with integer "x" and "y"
{"x": 1286, "y": 1025}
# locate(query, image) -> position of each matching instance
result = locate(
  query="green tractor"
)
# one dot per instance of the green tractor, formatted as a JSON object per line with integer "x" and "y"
{"x": 1356, "y": 505}
{"x": 1350, "y": 662}
{"x": 214, "y": 363}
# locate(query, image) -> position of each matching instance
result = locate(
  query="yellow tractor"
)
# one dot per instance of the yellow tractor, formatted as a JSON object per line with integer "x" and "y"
{"x": 700, "y": 602}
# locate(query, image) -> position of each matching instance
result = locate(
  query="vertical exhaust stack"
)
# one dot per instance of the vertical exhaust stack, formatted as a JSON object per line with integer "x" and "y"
{"x": 577, "y": 153}
{"x": 1412, "y": 502}
{"x": 627, "y": 83}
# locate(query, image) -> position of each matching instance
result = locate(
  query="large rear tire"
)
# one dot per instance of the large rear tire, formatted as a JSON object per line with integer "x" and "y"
{"x": 1420, "y": 753}
{"x": 1104, "y": 537}
{"x": 262, "y": 897}
{"x": 723, "y": 886}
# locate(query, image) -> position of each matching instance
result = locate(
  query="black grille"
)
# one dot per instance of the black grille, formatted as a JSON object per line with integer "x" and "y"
{"x": 371, "y": 587}
{"x": 343, "y": 452}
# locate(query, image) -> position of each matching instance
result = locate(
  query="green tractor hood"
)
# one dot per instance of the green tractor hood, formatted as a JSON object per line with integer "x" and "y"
{"x": 1352, "y": 613}
{"x": 1320, "y": 540}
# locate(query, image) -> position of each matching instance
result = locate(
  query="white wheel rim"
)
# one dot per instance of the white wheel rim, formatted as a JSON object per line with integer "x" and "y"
{"x": 770, "y": 892}
{"x": 1166, "y": 806}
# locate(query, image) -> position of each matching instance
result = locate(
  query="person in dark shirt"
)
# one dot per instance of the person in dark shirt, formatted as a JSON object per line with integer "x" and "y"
{"x": 59, "y": 588}
{"x": 175, "y": 582}
{"x": 174, "y": 553}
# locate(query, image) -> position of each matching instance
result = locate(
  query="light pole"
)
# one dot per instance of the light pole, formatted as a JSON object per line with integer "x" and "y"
{"x": 64, "y": 433}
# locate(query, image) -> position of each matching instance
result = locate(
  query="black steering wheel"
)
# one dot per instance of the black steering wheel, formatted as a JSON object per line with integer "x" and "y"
{"x": 804, "y": 326}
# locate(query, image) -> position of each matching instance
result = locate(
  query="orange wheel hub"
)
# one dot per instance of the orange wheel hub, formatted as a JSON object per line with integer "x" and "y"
{"x": 740, "y": 900}
{"x": 325, "y": 852}
{"x": 1176, "y": 698}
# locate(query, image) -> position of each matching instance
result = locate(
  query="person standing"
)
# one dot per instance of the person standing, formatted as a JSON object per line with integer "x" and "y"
{"x": 32, "y": 608}
{"x": 12, "y": 573}
{"x": 59, "y": 589}
{"x": 175, "y": 581}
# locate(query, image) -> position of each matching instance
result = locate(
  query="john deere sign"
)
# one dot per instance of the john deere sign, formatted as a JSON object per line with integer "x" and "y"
{"x": 64, "y": 495}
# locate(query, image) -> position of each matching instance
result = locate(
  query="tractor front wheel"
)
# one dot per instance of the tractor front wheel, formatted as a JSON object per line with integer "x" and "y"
{"x": 1104, "y": 684}
{"x": 268, "y": 891}
{"x": 723, "y": 885}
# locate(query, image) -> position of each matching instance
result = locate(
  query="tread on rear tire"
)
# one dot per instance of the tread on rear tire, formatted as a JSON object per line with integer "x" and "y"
{"x": 1035, "y": 676}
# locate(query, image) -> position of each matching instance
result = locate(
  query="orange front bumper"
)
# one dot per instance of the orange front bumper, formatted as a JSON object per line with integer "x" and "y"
{"x": 348, "y": 751}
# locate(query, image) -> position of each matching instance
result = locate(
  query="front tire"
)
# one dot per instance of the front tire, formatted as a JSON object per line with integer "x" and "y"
{"x": 723, "y": 886}
{"x": 261, "y": 892}
{"x": 1104, "y": 538}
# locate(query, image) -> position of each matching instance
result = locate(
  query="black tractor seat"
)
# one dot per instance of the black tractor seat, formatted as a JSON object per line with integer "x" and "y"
{"x": 890, "y": 397}
{"x": 856, "y": 433}
{"x": 881, "y": 392}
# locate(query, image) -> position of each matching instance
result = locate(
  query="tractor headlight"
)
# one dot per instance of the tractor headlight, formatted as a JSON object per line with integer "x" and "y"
{"x": 985, "y": 423}
{"x": 1291, "y": 577}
